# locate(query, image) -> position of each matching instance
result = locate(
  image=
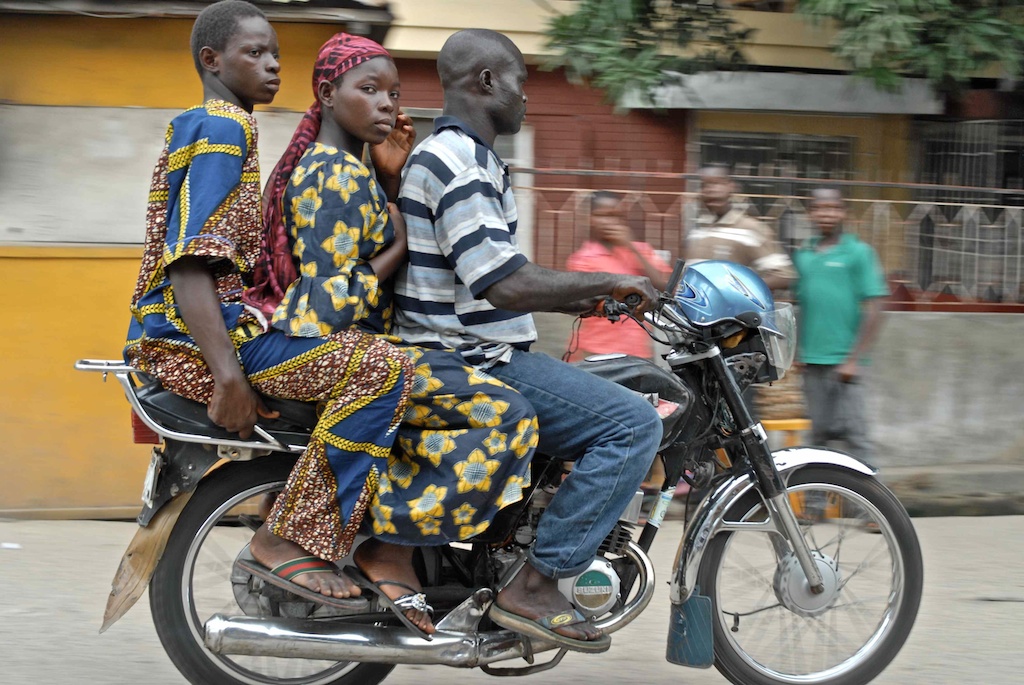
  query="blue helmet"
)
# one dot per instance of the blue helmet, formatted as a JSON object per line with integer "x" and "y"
{"x": 714, "y": 291}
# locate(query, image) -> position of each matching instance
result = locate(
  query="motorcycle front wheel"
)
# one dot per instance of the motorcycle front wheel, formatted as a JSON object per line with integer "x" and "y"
{"x": 193, "y": 581}
{"x": 769, "y": 629}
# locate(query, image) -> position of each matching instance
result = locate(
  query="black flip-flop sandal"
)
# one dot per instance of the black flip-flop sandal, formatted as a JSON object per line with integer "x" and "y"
{"x": 541, "y": 628}
{"x": 282, "y": 574}
{"x": 415, "y": 599}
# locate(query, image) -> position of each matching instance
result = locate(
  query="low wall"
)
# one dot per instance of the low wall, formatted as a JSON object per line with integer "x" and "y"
{"x": 948, "y": 389}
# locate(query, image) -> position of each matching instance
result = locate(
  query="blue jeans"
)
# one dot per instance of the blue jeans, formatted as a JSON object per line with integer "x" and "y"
{"x": 612, "y": 435}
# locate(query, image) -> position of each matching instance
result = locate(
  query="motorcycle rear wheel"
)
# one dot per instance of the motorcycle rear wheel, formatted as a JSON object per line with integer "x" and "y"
{"x": 769, "y": 631}
{"x": 193, "y": 581}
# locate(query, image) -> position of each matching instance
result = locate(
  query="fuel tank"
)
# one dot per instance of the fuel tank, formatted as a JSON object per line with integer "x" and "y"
{"x": 647, "y": 378}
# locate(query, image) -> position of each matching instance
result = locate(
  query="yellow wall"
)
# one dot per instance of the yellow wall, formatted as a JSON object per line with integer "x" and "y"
{"x": 881, "y": 147}
{"x": 422, "y": 26}
{"x": 146, "y": 62}
{"x": 66, "y": 436}
{"x": 130, "y": 62}
{"x": 881, "y": 153}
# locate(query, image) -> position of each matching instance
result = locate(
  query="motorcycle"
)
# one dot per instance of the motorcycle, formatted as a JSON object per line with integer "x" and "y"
{"x": 796, "y": 566}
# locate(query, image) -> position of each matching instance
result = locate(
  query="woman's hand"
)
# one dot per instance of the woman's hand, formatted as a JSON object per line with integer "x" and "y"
{"x": 388, "y": 260}
{"x": 389, "y": 156}
{"x": 398, "y": 223}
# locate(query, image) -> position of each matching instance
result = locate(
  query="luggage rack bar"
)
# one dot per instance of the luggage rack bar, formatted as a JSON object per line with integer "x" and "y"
{"x": 125, "y": 375}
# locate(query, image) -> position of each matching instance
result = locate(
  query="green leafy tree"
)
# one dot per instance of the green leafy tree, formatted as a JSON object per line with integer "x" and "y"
{"x": 636, "y": 45}
{"x": 945, "y": 41}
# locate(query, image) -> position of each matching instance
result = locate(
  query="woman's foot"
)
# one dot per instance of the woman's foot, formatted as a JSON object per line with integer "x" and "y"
{"x": 272, "y": 551}
{"x": 532, "y": 596}
{"x": 383, "y": 561}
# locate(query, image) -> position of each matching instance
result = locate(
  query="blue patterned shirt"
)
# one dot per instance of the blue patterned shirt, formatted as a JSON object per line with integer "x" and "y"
{"x": 337, "y": 220}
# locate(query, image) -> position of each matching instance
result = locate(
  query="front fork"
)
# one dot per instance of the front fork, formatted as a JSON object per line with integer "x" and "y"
{"x": 771, "y": 485}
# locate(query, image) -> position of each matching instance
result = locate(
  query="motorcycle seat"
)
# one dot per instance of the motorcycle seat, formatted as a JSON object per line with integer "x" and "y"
{"x": 188, "y": 416}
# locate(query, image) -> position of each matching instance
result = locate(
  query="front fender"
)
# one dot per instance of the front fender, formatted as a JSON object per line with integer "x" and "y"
{"x": 709, "y": 519}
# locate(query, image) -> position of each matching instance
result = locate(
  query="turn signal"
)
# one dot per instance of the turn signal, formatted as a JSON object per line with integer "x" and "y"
{"x": 734, "y": 340}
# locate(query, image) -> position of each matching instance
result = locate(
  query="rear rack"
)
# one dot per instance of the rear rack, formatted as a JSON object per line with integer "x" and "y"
{"x": 126, "y": 375}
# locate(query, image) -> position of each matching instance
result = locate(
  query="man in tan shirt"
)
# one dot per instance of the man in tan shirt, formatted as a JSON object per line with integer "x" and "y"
{"x": 728, "y": 233}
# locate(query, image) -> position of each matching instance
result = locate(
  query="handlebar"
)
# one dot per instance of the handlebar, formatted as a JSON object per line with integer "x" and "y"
{"x": 613, "y": 310}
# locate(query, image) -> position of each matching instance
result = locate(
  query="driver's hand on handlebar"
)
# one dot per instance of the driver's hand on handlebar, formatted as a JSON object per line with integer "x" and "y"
{"x": 637, "y": 286}
{"x": 236, "y": 407}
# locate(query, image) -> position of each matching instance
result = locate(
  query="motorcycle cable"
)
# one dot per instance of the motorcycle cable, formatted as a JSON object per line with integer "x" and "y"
{"x": 612, "y": 311}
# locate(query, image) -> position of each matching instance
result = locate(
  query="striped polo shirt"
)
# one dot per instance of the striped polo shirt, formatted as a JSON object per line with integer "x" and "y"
{"x": 460, "y": 218}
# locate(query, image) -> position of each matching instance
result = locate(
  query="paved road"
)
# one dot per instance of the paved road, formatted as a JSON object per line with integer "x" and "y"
{"x": 54, "y": 578}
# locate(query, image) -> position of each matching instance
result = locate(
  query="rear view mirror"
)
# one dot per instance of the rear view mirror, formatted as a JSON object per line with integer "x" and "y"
{"x": 675, "y": 278}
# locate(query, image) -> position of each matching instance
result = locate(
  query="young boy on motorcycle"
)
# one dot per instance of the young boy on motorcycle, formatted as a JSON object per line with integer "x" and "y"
{"x": 464, "y": 446}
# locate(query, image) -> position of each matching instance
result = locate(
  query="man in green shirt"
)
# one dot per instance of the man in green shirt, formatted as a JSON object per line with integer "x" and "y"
{"x": 840, "y": 290}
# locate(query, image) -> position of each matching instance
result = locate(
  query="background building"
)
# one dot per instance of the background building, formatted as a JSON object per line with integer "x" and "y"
{"x": 90, "y": 85}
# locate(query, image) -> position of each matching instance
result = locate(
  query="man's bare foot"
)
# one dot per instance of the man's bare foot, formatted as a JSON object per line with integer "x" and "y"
{"x": 271, "y": 551}
{"x": 383, "y": 561}
{"x": 532, "y": 595}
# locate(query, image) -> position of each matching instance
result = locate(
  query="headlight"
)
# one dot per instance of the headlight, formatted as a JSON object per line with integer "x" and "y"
{"x": 779, "y": 336}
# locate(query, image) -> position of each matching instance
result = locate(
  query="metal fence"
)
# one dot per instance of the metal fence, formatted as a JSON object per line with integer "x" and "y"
{"x": 931, "y": 251}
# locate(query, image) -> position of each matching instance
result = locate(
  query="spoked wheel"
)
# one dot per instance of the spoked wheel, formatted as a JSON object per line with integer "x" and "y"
{"x": 769, "y": 628}
{"x": 196, "y": 579}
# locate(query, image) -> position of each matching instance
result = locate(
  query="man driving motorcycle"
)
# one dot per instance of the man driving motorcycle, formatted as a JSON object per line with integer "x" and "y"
{"x": 467, "y": 286}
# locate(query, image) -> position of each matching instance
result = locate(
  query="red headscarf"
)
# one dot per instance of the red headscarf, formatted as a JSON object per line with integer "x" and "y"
{"x": 275, "y": 270}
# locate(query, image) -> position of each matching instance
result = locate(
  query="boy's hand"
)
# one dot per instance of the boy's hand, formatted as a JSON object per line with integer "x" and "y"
{"x": 389, "y": 156}
{"x": 236, "y": 407}
{"x": 848, "y": 371}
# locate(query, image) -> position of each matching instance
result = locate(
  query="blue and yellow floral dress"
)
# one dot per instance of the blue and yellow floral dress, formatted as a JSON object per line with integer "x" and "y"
{"x": 463, "y": 449}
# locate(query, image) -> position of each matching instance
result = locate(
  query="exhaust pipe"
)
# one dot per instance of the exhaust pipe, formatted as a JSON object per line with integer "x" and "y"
{"x": 305, "y": 639}
{"x": 456, "y": 642}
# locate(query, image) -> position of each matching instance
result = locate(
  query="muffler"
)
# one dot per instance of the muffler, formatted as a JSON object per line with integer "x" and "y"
{"x": 296, "y": 638}
{"x": 457, "y": 641}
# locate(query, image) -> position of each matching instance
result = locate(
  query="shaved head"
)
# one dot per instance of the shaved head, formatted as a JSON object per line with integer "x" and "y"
{"x": 826, "y": 195}
{"x": 828, "y": 211}
{"x": 715, "y": 170}
{"x": 716, "y": 189}
{"x": 482, "y": 73}
{"x": 466, "y": 53}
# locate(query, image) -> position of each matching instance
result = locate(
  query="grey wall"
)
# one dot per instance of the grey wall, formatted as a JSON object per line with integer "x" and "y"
{"x": 949, "y": 389}
{"x": 81, "y": 174}
{"x": 945, "y": 388}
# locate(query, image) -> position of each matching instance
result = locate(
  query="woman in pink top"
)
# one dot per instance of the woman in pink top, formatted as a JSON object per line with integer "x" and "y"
{"x": 611, "y": 249}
